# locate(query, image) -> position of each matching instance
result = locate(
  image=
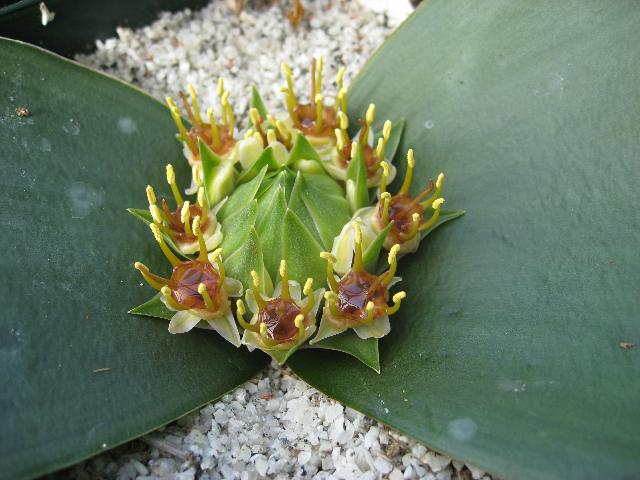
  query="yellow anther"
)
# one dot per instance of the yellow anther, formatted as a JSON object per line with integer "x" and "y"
{"x": 173, "y": 260}
{"x": 151, "y": 195}
{"x": 386, "y": 131}
{"x": 271, "y": 136}
{"x": 240, "y": 311}
{"x": 397, "y": 298}
{"x": 282, "y": 130}
{"x": 408, "y": 177}
{"x": 308, "y": 287}
{"x": 340, "y": 140}
{"x": 196, "y": 175}
{"x": 288, "y": 74}
{"x": 380, "y": 150}
{"x": 340, "y": 76}
{"x": 203, "y": 203}
{"x": 255, "y": 278}
{"x": 333, "y": 284}
{"x": 202, "y": 246}
{"x": 369, "y": 117}
{"x": 291, "y": 102}
{"x": 311, "y": 299}
{"x": 228, "y": 116}
{"x": 437, "y": 193}
{"x": 166, "y": 293}
{"x": 215, "y": 133}
{"x": 220, "y": 87}
{"x": 216, "y": 256}
{"x": 263, "y": 331}
{"x": 202, "y": 290}
{"x": 156, "y": 213}
{"x": 341, "y": 100}
{"x": 383, "y": 179}
{"x": 256, "y": 118}
{"x": 415, "y": 228}
{"x": 194, "y": 102}
{"x": 371, "y": 113}
{"x": 358, "y": 265}
{"x": 387, "y": 276}
{"x": 185, "y": 215}
{"x": 284, "y": 274}
{"x": 385, "y": 198}
{"x": 249, "y": 133}
{"x": 437, "y": 203}
{"x": 343, "y": 120}
{"x": 319, "y": 63}
{"x": 171, "y": 180}
{"x": 370, "y": 307}
{"x": 258, "y": 138}
{"x": 319, "y": 112}
{"x": 177, "y": 119}
{"x": 299, "y": 323}
{"x": 152, "y": 280}
{"x": 354, "y": 149}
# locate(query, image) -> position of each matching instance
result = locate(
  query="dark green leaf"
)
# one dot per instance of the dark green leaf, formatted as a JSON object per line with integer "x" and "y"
{"x": 506, "y": 352}
{"x": 348, "y": 342}
{"x": 69, "y": 171}
{"x": 237, "y": 227}
{"x": 247, "y": 258}
{"x": 302, "y": 251}
{"x": 241, "y": 196}
{"x": 269, "y": 229}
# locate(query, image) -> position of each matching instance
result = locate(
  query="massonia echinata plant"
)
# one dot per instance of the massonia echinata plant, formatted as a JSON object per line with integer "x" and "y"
{"x": 278, "y": 210}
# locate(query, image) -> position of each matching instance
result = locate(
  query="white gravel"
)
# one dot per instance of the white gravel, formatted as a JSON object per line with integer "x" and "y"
{"x": 274, "y": 426}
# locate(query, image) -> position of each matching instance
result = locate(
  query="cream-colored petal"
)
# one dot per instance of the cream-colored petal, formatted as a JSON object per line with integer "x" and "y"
{"x": 327, "y": 328}
{"x": 182, "y": 322}
{"x": 227, "y": 328}
{"x": 250, "y": 298}
{"x": 233, "y": 287}
{"x": 280, "y": 153}
{"x": 376, "y": 329}
{"x": 344, "y": 244}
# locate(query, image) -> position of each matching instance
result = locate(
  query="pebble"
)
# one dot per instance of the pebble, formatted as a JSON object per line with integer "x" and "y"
{"x": 274, "y": 426}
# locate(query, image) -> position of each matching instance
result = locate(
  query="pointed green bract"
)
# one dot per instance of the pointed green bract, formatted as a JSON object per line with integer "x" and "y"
{"x": 258, "y": 103}
{"x": 153, "y": 308}
{"x": 302, "y": 251}
{"x": 348, "y": 342}
{"x": 266, "y": 159}
{"x": 372, "y": 253}
{"x": 248, "y": 257}
{"x": 146, "y": 218}
{"x": 270, "y": 230}
{"x": 237, "y": 228}
{"x": 356, "y": 182}
{"x": 241, "y": 196}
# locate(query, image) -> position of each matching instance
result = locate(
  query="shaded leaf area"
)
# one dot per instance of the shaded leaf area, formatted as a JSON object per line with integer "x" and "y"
{"x": 282, "y": 215}
{"x": 506, "y": 353}
{"x": 88, "y": 150}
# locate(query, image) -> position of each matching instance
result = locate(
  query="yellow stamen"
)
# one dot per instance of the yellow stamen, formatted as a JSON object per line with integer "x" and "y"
{"x": 385, "y": 197}
{"x": 340, "y": 139}
{"x": 308, "y": 291}
{"x": 427, "y": 203}
{"x": 266, "y": 340}
{"x": 166, "y": 293}
{"x": 285, "y": 280}
{"x": 331, "y": 299}
{"x": 177, "y": 119}
{"x": 215, "y": 133}
{"x": 341, "y": 100}
{"x": 171, "y": 180}
{"x": 230, "y": 117}
{"x": 358, "y": 265}
{"x": 340, "y": 76}
{"x": 194, "y": 102}
{"x": 240, "y": 311}
{"x": 291, "y": 106}
{"x": 387, "y": 276}
{"x": 256, "y": 118}
{"x": 319, "y": 63}
{"x": 196, "y": 174}
{"x": 437, "y": 203}
{"x": 146, "y": 274}
{"x": 333, "y": 284}
{"x": 344, "y": 121}
{"x": 216, "y": 256}
{"x": 173, "y": 260}
{"x": 386, "y": 131}
{"x": 282, "y": 130}
{"x": 203, "y": 203}
{"x": 202, "y": 290}
{"x": 185, "y": 215}
{"x": 409, "y": 175}
{"x": 380, "y": 150}
{"x": 256, "y": 292}
{"x": 299, "y": 323}
{"x": 319, "y": 112}
{"x": 202, "y": 246}
{"x": 370, "y": 307}
{"x": 271, "y": 136}
{"x": 415, "y": 227}
{"x": 383, "y": 179}
{"x": 289, "y": 76}
{"x": 220, "y": 87}
{"x": 156, "y": 214}
{"x": 397, "y": 298}
{"x": 354, "y": 149}
{"x": 368, "y": 121}
{"x": 151, "y": 195}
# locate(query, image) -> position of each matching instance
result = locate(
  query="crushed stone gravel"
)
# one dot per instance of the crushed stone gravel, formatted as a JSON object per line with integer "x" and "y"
{"x": 274, "y": 426}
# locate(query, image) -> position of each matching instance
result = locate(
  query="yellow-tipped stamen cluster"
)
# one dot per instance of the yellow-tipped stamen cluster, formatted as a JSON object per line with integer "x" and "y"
{"x": 368, "y": 121}
{"x": 360, "y": 297}
{"x": 408, "y": 213}
{"x": 276, "y": 317}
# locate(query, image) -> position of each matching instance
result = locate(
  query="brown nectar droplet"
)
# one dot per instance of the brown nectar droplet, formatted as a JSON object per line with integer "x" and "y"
{"x": 401, "y": 210}
{"x": 307, "y": 115}
{"x": 175, "y": 222}
{"x": 184, "y": 282}
{"x": 279, "y": 316}
{"x": 203, "y": 132}
{"x": 370, "y": 160}
{"x": 357, "y": 289}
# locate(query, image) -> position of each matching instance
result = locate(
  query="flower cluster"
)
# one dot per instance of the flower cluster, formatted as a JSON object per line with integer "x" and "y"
{"x": 305, "y": 165}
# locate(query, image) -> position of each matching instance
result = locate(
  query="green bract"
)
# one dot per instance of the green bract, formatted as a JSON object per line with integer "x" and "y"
{"x": 288, "y": 204}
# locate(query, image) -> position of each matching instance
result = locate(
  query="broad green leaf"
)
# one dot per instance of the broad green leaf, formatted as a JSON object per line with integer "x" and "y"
{"x": 241, "y": 197}
{"x": 302, "y": 251}
{"x": 257, "y": 103}
{"x": 237, "y": 228}
{"x": 348, "y": 342}
{"x": 245, "y": 259}
{"x": 356, "y": 182}
{"x": 506, "y": 353}
{"x": 302, "y": 151}
{"x": 297, "y": 205}
{"x": 69, "y": 171}
{"x": 266, "y": 159}
{"x": 153, "y": 308}
{"x": 269, "y": 229}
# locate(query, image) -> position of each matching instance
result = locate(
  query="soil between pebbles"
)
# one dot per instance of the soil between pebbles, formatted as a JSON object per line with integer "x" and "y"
{"x": 274, "y": 426}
